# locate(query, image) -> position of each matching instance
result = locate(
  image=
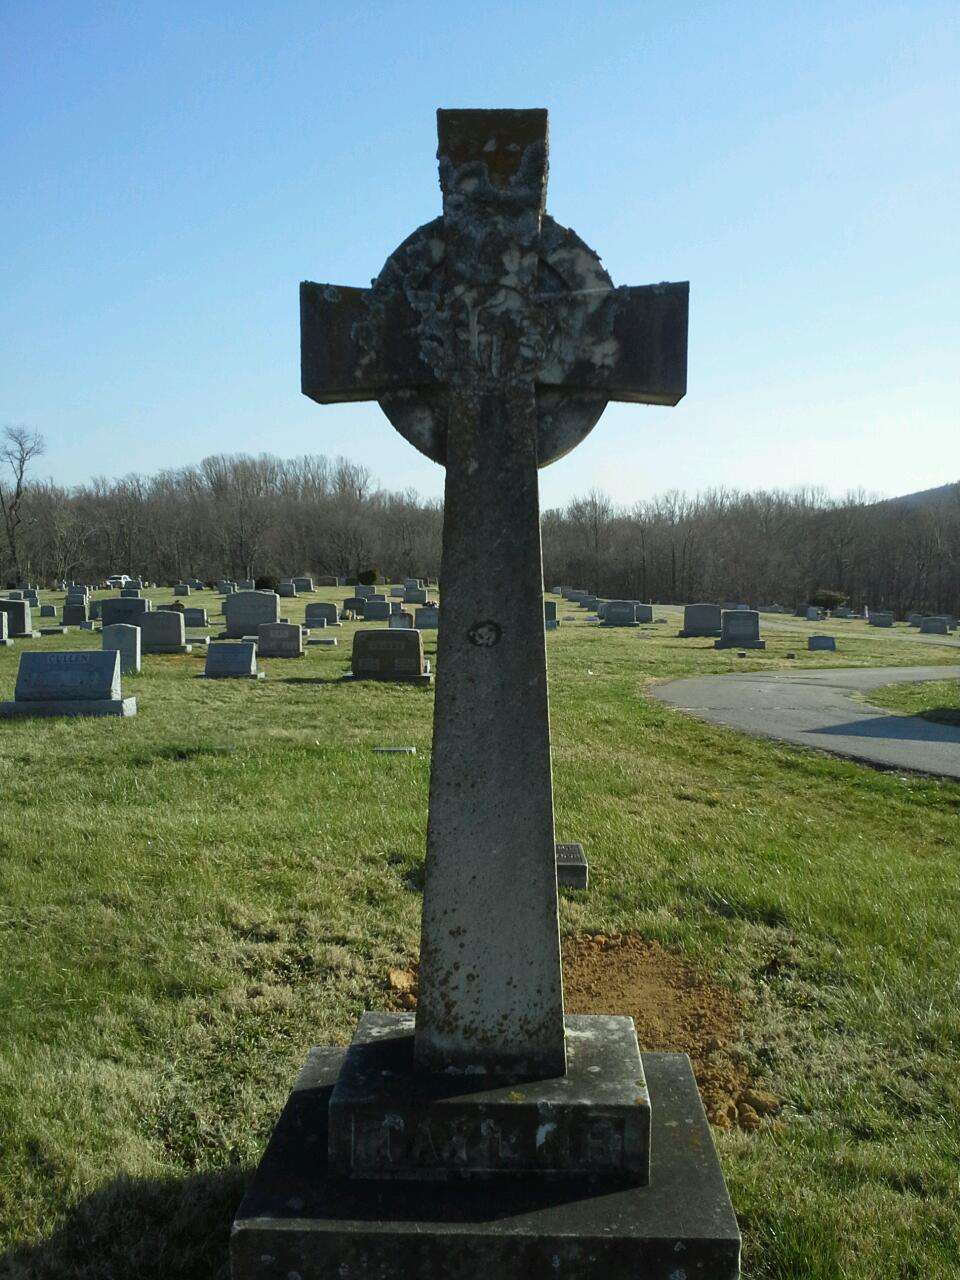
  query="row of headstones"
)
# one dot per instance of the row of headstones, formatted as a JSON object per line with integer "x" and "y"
{"x": 612, "y": 613}
{"x": 87, "y": 683}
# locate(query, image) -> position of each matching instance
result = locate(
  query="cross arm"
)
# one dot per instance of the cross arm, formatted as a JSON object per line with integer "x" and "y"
{"x": 357, "y": 344}
{"x": 625, "y": 344}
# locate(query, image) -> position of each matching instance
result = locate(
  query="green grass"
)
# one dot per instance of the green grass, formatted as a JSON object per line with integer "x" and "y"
{"x": 191, "y": 898}
{"x": 937, "y": 700}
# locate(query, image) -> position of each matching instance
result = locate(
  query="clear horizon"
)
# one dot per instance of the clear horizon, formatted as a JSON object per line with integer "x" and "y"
{"x": 174, "y": 172}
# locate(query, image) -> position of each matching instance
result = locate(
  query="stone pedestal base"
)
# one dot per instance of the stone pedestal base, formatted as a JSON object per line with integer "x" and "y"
{"x": 75, "y": 707}
{"x": 167, "y": 648}
{"x": 297, "y": 1219}
{"x": 389, "y": 1121}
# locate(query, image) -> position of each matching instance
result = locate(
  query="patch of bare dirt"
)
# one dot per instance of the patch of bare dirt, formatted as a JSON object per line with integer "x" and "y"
{"x": 675, "y": 1009}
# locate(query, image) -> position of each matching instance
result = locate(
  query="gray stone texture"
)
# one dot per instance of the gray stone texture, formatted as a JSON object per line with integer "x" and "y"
{"x": 426, "y": 618}
{"x": 389, "y": 1121}
{"x": 279, "y": 640}
{"x": 740, "y": 629}
{"x": 123, "y": 638}
{"x": 300, "y": 1220}
{"x": 376, "y": 610}
{"x": 619, "y": 613}
{"x": 195, "y": 618}
{"x": 401, "y": 621}
{"x": 61, "y": 684}
{"x": 934, "y": 627}
{"x": 117, "y": 609}
{"x": 322, "y": 615}
{"x": 394, "y": 654}
{"x": 235, "y": 659}
{"x": 163, "y": 632}
{"x": 19, "y": 619}
{"x": 74, "y": 613}
{"x": 701, "y": 620}
{"x": 821, "y": 643}
{"x": 245, "y": 611}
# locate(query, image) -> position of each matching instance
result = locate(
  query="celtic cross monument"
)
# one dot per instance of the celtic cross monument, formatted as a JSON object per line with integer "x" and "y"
{"x": 489, "y": 1134}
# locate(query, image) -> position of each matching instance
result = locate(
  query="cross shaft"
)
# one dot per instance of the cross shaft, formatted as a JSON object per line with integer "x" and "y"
{"x": 476, "y": 352}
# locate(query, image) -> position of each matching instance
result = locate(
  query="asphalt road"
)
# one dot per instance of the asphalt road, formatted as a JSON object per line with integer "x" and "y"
{"x": 817, "y": 709}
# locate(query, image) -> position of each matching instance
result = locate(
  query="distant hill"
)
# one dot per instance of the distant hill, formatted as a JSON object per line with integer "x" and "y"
{"x": 927, "y": 497}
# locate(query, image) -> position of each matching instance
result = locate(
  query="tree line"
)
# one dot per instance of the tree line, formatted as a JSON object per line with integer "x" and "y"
{"x": 239, "y": 516}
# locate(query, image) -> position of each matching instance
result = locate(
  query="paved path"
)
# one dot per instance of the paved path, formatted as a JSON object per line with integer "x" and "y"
{"x": 817, "y": 709}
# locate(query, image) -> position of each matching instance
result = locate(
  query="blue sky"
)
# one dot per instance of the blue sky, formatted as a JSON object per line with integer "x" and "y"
{"x": 172, "y": 171}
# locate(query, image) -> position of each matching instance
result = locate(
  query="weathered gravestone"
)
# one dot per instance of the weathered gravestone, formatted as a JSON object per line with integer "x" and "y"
{"x": 821, "y": 643}
{"x": 701, "y": 620}
{"x": 354, "y": 605}
{"x": 19, "y": 620}
{"x": 740, "y": 629}
{"x": 245, "y": 611}
{"x": 619, "y": 613}
{"x": 934, "y": 626}
{"x": 163, "y": 632}
{"x": 318, "y": 615}
{"x": 195, "y": 617}
{"x": 493, "y": 339}
{"x": 182, "y": 589}
{"x": 5, "y": 641}
{"x": 232, "y": 659}
{"x": 69, "y": 684}
{"x": 246, "y": 584}
{"x": 130, "y": 593}
{"x": 550, "y": 619}
{"x": 48, "y": 611}
{"x": 376, "y": 610}
{"x": 117, "y": 609}
{"x": 402, "y": 621}
{"x": 280, "y": 640}
{"x": 75, "y": 612}
{"x": 362, "y": 592}
{"x": 395, "y": 654}
{"x": 303, "y": 584}
{"x": 427, "y": 618}
{"x": 286, "y": 590}
{"x": 414, "y": 595}
{"x": 123, "y": 638}
{"x": 396, "y": 593}
{"x": 880, "y": 618}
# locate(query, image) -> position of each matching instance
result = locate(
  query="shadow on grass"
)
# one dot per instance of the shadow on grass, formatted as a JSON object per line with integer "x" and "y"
{"x": 147, "y": 1228}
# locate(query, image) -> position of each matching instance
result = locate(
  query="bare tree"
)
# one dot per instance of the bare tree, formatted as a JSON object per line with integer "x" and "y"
{"x": 20, "y": 446}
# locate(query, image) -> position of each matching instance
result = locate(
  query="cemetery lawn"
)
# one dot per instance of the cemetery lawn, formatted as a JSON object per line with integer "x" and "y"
{"x": 191, "y": 898}
{"x": 937, "y": 700}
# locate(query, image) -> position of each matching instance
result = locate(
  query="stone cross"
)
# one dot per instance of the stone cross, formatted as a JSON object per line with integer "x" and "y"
{"x": 493, "y": 339}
